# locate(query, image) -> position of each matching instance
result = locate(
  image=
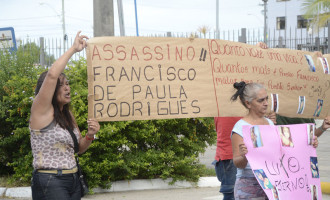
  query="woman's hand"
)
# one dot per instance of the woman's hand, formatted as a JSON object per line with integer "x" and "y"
{"x": 326, "y": 123}
{"x": 315, "y": 142}
{"x": 318, "y": 54}
{"x": 272, "y": 116}
{"x": 93, "y": 127}
{"x": 262, "y": 45}
{"x": 79, "y": 42}
{"x": 242, "y": 150}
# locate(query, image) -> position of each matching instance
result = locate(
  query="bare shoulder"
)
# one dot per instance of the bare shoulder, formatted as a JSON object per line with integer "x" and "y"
{"x": 39, "y": 121}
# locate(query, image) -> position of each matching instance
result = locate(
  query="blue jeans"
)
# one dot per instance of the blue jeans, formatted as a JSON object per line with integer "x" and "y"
{"x": 55, "y": 186}
{"x": 226, "y": 174}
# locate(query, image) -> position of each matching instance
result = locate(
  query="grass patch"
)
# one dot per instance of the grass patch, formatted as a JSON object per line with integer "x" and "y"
{"x": 7, "y": 181}
{"x": 3, "y": 181}
{"x": 209, "y": 172}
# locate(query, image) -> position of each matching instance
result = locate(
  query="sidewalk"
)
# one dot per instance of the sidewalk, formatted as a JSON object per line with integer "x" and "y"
{"x": 124, "y": 186}
{"x": 323, "y": 152}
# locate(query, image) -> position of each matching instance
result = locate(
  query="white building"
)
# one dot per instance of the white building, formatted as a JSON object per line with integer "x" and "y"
{"x": 287, "y": 27}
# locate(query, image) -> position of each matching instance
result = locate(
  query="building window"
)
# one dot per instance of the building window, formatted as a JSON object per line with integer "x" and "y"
{"x": 301, "y": 22}
{"x": 280, "y": 23}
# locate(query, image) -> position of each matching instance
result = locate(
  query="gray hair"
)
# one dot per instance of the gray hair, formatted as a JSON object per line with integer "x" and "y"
{"x": 246, "y": 92}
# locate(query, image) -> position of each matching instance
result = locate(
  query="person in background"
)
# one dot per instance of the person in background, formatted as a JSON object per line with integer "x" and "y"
{"x": 51, "y": 121}
{"x": 224, "y": 166}
{"x": 254, "y": 98}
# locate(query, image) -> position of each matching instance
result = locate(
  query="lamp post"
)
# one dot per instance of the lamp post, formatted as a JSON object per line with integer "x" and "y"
{"x": 265, "y": 21}
{"x": 63, "y": 26}
{"x": 217, "y": 20}
{"x": 63, "y": 19}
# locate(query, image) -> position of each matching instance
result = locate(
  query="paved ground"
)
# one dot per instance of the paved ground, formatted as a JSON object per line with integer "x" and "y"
{"x": 323, "y": 155}
{"x": 173, "y": 194}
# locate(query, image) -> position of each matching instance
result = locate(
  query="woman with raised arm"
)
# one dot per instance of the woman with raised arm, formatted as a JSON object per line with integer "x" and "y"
{"x": 51, "y": 121}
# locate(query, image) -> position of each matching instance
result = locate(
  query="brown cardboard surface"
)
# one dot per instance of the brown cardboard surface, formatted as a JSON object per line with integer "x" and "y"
{"x": 140, "y": 78}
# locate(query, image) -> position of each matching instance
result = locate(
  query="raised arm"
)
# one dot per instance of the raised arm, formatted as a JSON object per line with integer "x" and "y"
{"x": 42, "y": 110}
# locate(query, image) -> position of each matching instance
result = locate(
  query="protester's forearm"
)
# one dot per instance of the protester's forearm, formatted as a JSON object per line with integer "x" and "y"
{"x": 319, "y": 131}
{"x": 240, "y": 162}
{"x": 84, "y": 144}
{"x": 60, "y": 64}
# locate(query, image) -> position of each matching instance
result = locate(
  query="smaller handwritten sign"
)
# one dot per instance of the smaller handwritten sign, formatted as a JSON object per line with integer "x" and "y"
{"x": 285, "y": 165}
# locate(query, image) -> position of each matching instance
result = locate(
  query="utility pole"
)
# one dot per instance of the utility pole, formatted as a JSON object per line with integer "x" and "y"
{"x": 265, "y": 21}
{"x": 121, "y": 17}
{"x": 103, "y": 18}
{"x": 136, "y": 20}
{"x": 328, "y": 38}
{"x": 63, "y": 26}
{"x": 286, "y": 23}
{"x": 217, "y": 20}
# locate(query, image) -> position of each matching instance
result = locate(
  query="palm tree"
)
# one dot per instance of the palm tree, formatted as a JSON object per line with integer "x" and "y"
{"x": 318, "y": 11}
{"x": 203, "y": 30}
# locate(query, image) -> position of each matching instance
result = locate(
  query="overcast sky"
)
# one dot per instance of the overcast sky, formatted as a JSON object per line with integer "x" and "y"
{"x": 36, "y": 18}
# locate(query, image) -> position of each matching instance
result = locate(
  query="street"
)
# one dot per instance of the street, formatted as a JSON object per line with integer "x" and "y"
{"x": 173, "y": 194}
{"x": 182, "y": 194}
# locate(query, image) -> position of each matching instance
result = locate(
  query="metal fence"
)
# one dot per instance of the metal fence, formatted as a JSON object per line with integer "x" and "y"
{"x": 50, "y": 49}
{"x": 296, "y": 39}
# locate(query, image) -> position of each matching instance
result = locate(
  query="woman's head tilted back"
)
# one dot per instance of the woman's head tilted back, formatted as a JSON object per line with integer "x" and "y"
{"x": 246, "y": 92}
{"x": 62, "y": 117}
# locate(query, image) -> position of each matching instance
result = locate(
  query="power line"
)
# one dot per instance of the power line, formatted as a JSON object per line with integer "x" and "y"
{"x": 28, "y": 18}
{"x": 77, "y": 18}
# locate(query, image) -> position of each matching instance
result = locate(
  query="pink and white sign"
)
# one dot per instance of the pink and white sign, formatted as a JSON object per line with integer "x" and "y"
{"x": 284, "y": 161}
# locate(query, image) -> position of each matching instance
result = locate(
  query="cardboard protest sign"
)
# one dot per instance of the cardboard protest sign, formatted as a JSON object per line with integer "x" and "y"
{"x": 284, "y": 160}
{"x": 139, "y": 78}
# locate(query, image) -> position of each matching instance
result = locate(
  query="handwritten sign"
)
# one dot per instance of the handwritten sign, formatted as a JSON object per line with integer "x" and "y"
{"x": 139, "y": 78}
{"x": 285, "y": 165}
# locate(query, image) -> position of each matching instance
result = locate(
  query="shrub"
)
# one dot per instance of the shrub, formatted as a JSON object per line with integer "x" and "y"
{"x": 18, "y": 75}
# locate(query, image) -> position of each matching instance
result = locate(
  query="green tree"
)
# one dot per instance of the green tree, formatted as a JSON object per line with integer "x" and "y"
{"x": 318, "y": 11}
{"x": 33, "y": 50}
